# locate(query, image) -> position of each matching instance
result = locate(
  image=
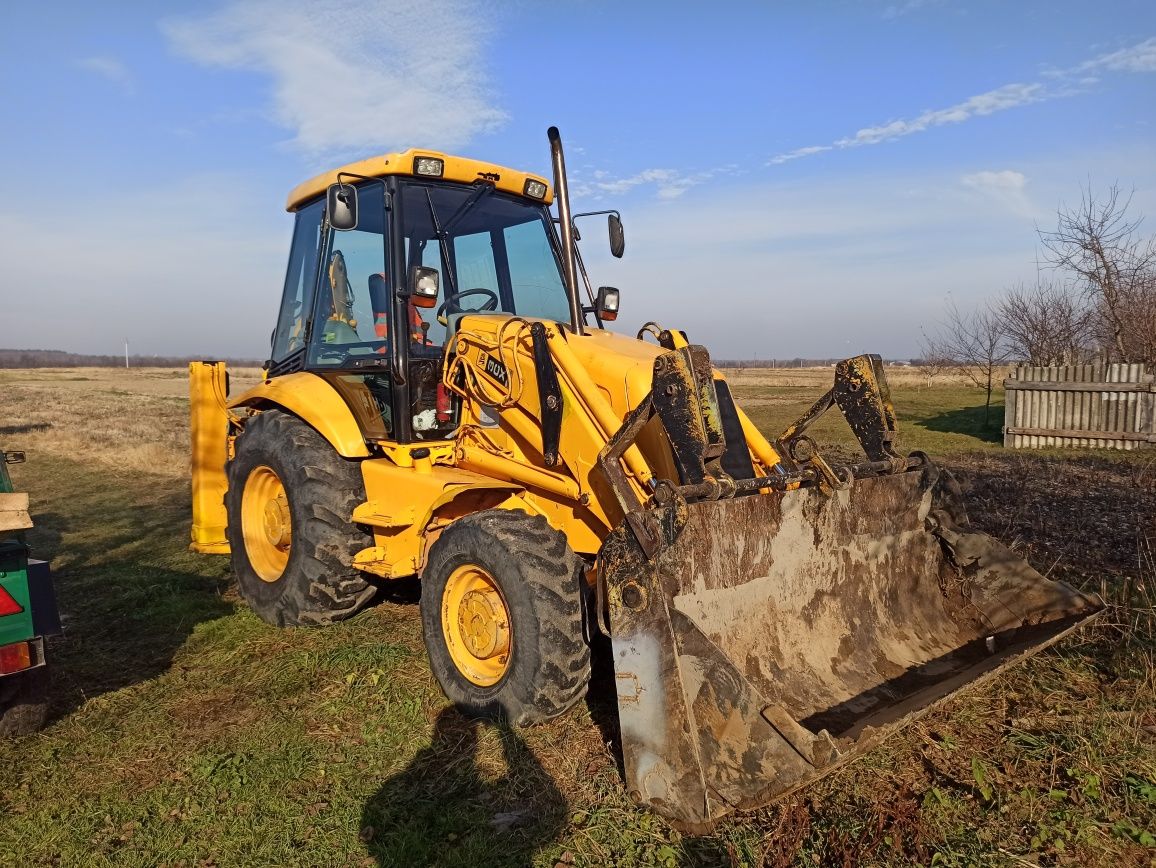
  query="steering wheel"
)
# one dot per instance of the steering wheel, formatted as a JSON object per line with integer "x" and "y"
{"x": 452, "y": 304}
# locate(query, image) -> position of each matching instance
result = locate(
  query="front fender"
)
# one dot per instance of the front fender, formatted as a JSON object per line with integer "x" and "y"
{"x": 316, "y": 403}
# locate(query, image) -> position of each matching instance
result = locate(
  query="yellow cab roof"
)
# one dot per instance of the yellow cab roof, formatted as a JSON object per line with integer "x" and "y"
{"x": 460, "y": 169}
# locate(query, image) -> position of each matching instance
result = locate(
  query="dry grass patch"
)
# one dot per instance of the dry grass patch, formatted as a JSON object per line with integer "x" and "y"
{"x": 134, "y": 419}
{"x": 820, "y": 379}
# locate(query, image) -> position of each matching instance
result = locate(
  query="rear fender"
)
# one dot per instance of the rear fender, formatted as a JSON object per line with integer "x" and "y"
{"x": 212, "y": 418}
{"x": 315, "y": 402}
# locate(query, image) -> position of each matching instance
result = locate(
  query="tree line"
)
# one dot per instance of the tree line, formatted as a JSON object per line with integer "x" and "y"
{"x": 1094, "y": 299}
{"x": 62, "y": 359}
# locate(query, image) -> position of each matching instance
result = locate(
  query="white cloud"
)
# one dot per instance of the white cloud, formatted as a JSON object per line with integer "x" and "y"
{"x": 1003, "y": 180}
{"x": 799, "y": 152}
{"x": 659, "y": 177}
{"x": 349, "y": 75}
{"x": 746, "y": 259}
{"x": 1137, "y": 58}
{"x": 896, "y": 10}
{"x": 667, "y": 183}
{"x": 1006, "y": 188}
{"x": 1000, "y": 99}
{"x": 109, "y": 68}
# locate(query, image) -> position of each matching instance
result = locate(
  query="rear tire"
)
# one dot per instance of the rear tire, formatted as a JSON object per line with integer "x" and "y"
{"x": 540, "y": 582}
{"x": 23, "y": 702}
{"x": 303, "y": 576}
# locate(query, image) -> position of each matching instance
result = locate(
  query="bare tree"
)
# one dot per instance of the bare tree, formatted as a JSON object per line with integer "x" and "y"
{"x": 931, "y": 364}
{"x": 976, "y": 345}
{"x": 1115, "y": 266}
{"x": 1046, "y": 324}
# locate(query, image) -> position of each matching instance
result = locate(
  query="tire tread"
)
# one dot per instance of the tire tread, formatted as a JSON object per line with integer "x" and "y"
{"x": 321, "y": 585}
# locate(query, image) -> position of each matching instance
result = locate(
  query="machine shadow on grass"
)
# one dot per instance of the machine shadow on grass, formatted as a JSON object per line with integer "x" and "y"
{"x": 443, "y": 810}
{"x": 602, "y": 699}
{"x": 967, "y": 420}
{"x": 29, "y": 428}
{"x": 129, "y": 593}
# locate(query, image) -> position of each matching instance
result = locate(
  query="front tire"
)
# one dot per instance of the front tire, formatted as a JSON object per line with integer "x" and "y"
{"x": 501, "y": 605}
{"x": 290, "y": 504}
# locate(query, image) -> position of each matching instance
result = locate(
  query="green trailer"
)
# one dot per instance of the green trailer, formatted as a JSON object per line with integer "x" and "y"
{"x": 28, "y": 614}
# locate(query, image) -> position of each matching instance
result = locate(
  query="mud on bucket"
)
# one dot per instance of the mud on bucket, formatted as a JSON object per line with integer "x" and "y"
{"x": 775, "y": 636}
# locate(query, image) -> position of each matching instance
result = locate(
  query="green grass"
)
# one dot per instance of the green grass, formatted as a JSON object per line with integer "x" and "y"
{"x": 941, "y": 421}
{"x": 187, "y": 732}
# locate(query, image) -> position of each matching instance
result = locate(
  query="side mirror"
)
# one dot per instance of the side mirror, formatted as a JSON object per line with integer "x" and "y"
{"x": 341, "y": 205}
{"x": 617, "y": 236}
{"x": 423, "y": 286}
{"x": 606, "y": 305}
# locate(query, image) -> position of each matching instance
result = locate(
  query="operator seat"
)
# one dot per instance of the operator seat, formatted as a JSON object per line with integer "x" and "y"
{"x": 340, "y": 328}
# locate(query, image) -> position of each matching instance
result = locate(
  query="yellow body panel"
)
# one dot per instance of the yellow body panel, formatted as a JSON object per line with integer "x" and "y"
{"x": 313, "y": 400}
{"x": 460, "y": 169}
{"x": 573, "y": 495}
{"x": 495, "y": 459}
{"x": 209, "y": 431}
{"x": 402, "y": 503}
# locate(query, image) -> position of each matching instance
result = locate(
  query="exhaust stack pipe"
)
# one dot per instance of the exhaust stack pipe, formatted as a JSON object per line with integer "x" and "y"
{"x": 562, "y": 191}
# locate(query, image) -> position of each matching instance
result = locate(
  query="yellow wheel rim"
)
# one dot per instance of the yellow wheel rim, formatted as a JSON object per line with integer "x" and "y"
{"x": 265, "y": 523}
{"x": 476, "y": 625}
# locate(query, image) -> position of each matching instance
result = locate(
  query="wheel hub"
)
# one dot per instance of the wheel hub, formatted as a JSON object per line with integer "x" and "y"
{"x": 266, "y": 523}
{"x": 476, "y": 625}
{"x": 278, "y": 528}
{"x": 482, "y": 620}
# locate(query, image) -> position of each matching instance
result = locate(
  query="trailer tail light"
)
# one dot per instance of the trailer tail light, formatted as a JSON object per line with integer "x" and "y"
{"x": 14, "y": 658}
{"x": 8, "y": 604}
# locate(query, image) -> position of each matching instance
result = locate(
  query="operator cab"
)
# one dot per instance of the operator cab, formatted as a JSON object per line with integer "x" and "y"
{"x": 489, "y": 251}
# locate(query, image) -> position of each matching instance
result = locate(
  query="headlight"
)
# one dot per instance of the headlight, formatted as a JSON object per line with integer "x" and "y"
{"x": 430, "y": 167}
{"x": 606, "y": 304}
{"x": 534, "y": 188}
{"x": 423, "y": 286}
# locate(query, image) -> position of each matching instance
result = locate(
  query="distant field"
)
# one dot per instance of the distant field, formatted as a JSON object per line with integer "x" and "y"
{"x": 944, "y": 418}
{"x": 187, "y": 732}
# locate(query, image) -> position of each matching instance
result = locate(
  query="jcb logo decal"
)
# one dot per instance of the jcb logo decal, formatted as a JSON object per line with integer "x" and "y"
{"x": 494, "y": 368}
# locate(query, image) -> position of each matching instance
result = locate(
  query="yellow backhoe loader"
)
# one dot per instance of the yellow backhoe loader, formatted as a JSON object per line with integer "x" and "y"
{"x": 442, "y": 400}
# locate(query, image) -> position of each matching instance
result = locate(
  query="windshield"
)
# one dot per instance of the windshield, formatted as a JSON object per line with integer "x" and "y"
{"x": 493, "y": 253}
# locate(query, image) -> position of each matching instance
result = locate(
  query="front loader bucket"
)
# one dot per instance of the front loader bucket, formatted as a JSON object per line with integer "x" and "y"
{"x": 774, "y": 636}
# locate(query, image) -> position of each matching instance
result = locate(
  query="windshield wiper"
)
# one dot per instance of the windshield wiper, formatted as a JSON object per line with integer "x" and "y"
{"x": 480, "y": 191}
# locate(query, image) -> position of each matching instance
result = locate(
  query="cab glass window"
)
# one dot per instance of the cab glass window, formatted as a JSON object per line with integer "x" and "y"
{"x": 535, "y": 279}
{"x": 289, "y": 335}
{"x": 352, "y": 308}
{"x": 493, "y": 252}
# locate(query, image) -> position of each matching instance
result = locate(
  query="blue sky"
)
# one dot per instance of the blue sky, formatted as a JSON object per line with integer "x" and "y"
{"x": 795, "y": 179}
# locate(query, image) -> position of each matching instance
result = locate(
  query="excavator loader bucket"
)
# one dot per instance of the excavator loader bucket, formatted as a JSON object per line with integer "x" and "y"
{"x": 762, "y": 639}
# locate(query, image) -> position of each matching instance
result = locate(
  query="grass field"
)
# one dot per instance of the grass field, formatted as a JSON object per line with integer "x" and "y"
{"x": 186, "y": 732}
